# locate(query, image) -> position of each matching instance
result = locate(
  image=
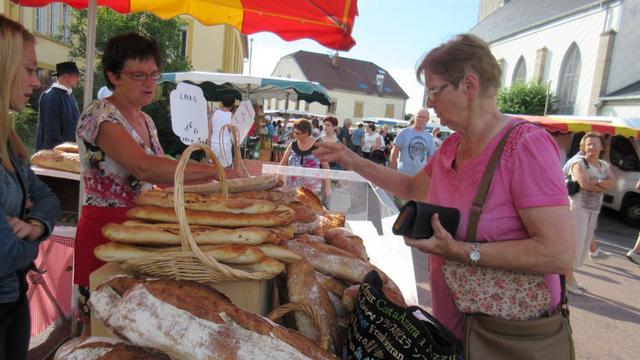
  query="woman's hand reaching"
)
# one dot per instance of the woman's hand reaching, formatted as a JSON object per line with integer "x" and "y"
{"x": 441, "y": 243}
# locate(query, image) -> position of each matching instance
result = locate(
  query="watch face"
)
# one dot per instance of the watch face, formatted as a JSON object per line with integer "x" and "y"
{"x": 474, "y": 255}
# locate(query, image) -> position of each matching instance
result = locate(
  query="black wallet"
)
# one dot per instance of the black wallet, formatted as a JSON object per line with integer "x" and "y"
{"x": 414, "y": 220}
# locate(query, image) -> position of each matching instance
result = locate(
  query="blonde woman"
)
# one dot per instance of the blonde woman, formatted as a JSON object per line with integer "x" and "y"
{"x": 594, "y": 176}
{"x": 29, "y": 208}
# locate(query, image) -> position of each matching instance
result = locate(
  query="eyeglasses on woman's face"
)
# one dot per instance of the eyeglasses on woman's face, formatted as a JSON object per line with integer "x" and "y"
{"x": 141, "y": 76}
{"x": 433, "y": 92}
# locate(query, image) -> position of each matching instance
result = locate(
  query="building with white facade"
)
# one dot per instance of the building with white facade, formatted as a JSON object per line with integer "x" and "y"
{"x": 357, "y": 88}
{"x": 586, "y": 50}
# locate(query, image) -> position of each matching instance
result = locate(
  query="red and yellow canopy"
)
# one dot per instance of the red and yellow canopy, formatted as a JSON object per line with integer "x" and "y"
{"x": 564, "y": 125}
{"x": 329, "y": 22}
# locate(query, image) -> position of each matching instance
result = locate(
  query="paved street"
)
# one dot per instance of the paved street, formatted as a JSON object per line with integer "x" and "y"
{"x": 606, "y": 320}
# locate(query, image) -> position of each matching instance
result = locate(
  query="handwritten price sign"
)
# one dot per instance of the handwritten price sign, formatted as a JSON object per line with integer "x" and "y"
{"x": 243, "y": 118}
{"x": 189, "y": 114}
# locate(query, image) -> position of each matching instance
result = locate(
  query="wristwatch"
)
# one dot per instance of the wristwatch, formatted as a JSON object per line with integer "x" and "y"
{"x": 474, "y": 255}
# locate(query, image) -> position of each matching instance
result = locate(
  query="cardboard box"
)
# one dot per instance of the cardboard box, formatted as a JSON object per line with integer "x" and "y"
{"x": 251, "y": 295}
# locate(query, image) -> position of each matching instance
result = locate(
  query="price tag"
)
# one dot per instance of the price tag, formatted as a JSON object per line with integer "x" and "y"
{"x": 243, "y": 118}
{"x": 189, "y": 114}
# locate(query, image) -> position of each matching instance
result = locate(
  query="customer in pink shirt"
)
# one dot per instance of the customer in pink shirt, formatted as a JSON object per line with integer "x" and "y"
{"x": 526, "y": 223}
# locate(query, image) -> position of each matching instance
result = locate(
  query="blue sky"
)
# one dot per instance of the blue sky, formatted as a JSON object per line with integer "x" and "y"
{"x": 391, "y": 34}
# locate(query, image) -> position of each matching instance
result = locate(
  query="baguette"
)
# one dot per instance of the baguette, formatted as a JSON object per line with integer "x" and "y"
{"x": 67, "y": 147}
{"x": 282, "y": 217}
{"x": 346, "y": 240}
{"x": 332, "y": 285}
{"x": 228, "y": 254}
{"x": 187, "y": 320}
{"x": 51, "y": 159}
{"x": 256, "y": 183}
{"x": 303, "y": 287}
{"x": 104, "y": 348}
{"x": 330, "y": 260}
{"x": 280, "y": 253}
{"x": 266, "y": 265}
{"x": 215, "y": 203}
{"x": 164, "y": 235}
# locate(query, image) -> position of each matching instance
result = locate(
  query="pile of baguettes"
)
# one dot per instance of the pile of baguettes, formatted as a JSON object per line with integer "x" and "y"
{"x": 63, "y": 157}
{"x": 185, "y": 320}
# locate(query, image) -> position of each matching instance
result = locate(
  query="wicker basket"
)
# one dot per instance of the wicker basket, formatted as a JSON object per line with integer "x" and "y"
{"x": 191, "y": 263}
{"x": 309, "y": 311}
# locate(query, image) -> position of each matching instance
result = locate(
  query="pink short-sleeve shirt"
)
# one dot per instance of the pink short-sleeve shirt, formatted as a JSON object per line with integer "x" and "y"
{"x": 529, "y": 175}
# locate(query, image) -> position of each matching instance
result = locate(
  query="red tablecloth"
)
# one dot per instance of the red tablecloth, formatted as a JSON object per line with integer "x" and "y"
{"x": 50, "y": 292}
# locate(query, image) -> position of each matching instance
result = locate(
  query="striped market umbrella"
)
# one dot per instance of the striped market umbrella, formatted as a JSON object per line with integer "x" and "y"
{"x": 564, "y": 125}
{"x": 329, "y": 22}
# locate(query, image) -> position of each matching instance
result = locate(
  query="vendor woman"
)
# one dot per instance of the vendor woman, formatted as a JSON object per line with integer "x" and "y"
{"x": 120, "y": 153}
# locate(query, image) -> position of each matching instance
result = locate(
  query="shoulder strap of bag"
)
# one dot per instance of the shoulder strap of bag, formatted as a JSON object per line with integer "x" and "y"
{"x": 481, "y": 196}
{"x": 483, "y": 189}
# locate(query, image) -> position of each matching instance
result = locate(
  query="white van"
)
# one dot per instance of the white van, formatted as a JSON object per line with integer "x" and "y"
{"x": 622, "y": 153}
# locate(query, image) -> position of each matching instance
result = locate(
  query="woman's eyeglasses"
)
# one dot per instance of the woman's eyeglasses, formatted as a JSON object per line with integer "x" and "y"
{"x": 141, "y": 76}
{"x": 434, "y": 92}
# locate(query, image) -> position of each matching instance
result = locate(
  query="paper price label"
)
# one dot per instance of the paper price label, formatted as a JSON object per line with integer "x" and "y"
{"x": 243, "y": 118}
{"x": 189, "y": 114}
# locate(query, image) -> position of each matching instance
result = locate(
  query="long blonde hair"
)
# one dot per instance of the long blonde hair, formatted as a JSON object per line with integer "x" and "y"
{"x": 13, "y": 38}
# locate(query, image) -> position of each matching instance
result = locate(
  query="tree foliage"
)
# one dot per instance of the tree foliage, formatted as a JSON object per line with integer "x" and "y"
{"x": 168, "y": 34}
{"x": 525, "y": 98}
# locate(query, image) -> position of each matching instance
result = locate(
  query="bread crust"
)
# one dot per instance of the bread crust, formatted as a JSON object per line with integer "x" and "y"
{"x": 228, "y": 253}
{"x": 348, "y": 241}
{"x": 169, "y": 234}
{"x": 281, "y": 217}
{"x": 280, "y": 253}
{"x": 208, "y": 202}
{"x": 51, "y": 159}
{"x": 189, "y": 320}
{"x": 103, "y": 348}
{"x": 255, "y": 183}
{"x": 68, "y": 147}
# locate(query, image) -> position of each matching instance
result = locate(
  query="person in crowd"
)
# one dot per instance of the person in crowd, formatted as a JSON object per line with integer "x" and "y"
{"x": 120, "y": 153}
{"x": 526, "y": 211}
{"x": 413, "y": 146}
{"x": 372, "y": 141}
{"x": 29, "y": 208}
{"x": 357, "y": 137}
{"x": 220, "y": 118}
{"x": 594, "y": 176}
{"x": 316, "y": 131}
{"x": 271, "y": 130}
{"x": 330, "y": 124}
{"x": 300, "y": 153}
{"x": 388, "y": 138}
{"x": 58, "y": 110}
{"x": 344, "y": 135}
{"x": 281, "y": 131}
{"x": 437, "y": 136}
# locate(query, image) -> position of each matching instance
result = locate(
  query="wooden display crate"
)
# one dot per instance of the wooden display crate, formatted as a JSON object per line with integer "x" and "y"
{"x": 251, "y": 295}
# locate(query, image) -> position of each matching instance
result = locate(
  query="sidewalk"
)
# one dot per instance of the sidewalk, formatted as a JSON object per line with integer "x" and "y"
{"x": 605, "y": 321}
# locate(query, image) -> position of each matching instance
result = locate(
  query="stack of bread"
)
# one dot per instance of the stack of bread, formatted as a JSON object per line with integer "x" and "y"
{"x": 63, "y": 157}
{"x": 241, "y": 232}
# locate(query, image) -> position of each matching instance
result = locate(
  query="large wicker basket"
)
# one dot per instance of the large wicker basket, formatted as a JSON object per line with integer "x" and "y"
{"x": 191, "y": 263}
{"x": 282, "y": 310}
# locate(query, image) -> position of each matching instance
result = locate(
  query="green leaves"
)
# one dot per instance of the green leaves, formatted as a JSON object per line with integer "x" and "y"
{"x": 525, "y": 98}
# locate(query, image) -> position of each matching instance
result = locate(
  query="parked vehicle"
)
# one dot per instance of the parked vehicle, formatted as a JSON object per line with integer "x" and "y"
{"x": 445, "y": 131}
{"x": 621, "y": 151}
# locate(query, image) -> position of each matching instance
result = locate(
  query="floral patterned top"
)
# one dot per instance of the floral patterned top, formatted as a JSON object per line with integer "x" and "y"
{"x": 106, "y": 183}
{"x": 306, "y": 159}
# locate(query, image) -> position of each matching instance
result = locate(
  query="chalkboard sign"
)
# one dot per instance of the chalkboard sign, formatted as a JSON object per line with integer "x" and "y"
{"x": 380, "y": 329}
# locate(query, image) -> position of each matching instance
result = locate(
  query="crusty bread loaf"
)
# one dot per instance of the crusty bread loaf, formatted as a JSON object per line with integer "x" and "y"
{"x": 255, "y": 183}
{"x": 346, "y": 240}
{"x": 303, "y": 287}
{"x": 210, "y": 202}
{"x": 310, "y": 199}
{"x": 104, "y": 348}
{"x": 169, "y": 234}
{"x": 330, "y": 260}
{"x": 228, "y": 253}
{"x": 51, "y": 159}
{"x": 68, "y": 147}
{"x": 281, "y": 217}
{"x": 310, "y": 237}
{"x": 332, "y": 285}
{"x": 280, "y": 253}
{"x": 187, "y": 320}
{"x": 329, "y": 220}
{"x": 266, "y": 265}
{"x": 349, "y": 297}
{"x": 284, "y": 197}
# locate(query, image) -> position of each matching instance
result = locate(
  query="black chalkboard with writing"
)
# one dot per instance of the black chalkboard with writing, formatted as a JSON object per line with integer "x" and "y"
{"x": 380, "y": 329}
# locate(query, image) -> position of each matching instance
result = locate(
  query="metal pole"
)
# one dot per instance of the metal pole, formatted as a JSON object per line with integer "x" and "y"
{"x": 250, "y": 54}
{"x": 546, "y": 100}
{"x": 90, "y": 53}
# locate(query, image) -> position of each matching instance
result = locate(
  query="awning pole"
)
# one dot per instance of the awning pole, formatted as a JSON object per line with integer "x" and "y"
{"x": 90, "y": 53}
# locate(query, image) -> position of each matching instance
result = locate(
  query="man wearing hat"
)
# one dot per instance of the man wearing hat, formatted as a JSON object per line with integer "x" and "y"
{"x": 59, "y": 113}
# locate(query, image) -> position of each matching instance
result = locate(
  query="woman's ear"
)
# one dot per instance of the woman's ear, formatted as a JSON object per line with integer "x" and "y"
{"x": 114, "y": 78}
{"x": 471, "y": 84}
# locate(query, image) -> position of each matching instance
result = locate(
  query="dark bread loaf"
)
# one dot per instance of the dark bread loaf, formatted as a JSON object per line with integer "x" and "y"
{"x": 102, "y": 348}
